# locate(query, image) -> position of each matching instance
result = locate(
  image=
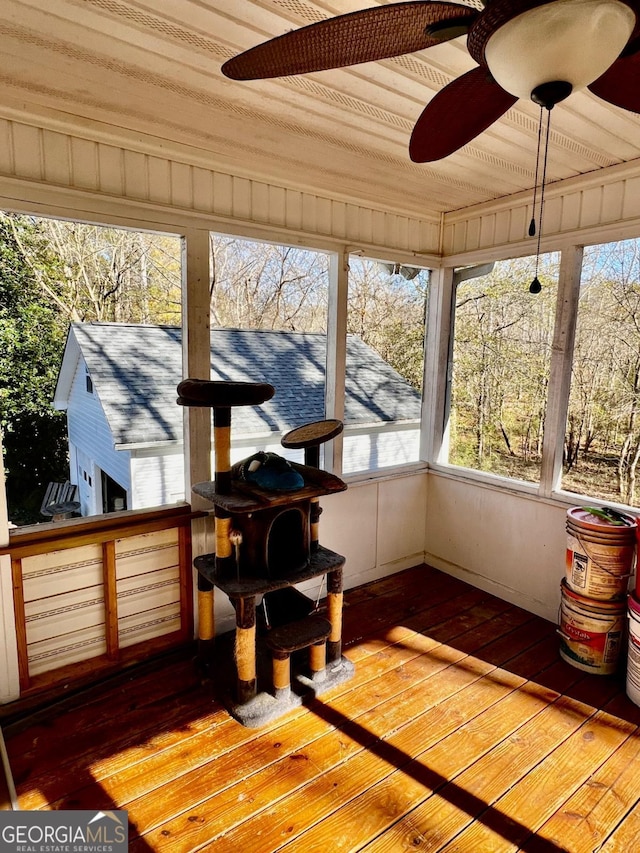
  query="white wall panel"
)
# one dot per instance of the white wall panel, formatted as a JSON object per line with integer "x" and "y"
{"x": 9, "y": 678}
{"x": 473, "y": 233}
{"x": 401, "y": 531}
{"x": 57, "y": 162}
{"x": 552, "y": 215}
{"x": 61, "y": 160}
{"x": 339, "y": 219}
{"x": 159, "y": 180}
{"x": 612, "y": 201}
{"x": 223, "y": 194}
{"x": 260, "y": 200}
{"x": 7, "y": 166}
{"x": 510, "y": 545}
{"x": 84, "y": 158}
{"x": 631, "y": 205}
{"x": 488, "y": 227}
{"x": 592, "y": 207}
{"x": 181, "y": 185}
{"x": 502, "y": 226}
{"x": 110, "y": 169}
{"x": 293, "y": 208}
{"x": 277, "y": 205}
{"x": 520, "y": 218}
{"x": 241, "y": 204}
{"x": 571, "y": 207}
{"x": 595, "y": 207}
{"x": 27, "y": 151}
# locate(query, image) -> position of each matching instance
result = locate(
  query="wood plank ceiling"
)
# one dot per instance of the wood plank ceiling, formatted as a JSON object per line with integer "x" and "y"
{"x": 150, "y": 70}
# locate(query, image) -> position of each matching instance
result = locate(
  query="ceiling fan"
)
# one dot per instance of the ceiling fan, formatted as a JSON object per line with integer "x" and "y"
{"x": 538, "y": 49}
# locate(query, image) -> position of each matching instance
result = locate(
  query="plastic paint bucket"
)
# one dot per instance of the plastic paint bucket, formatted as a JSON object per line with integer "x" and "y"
{"x": 590, "y": 631}
{"x": 637, "y": 552}
{"x": 600, "y": 554}
{"x": 633, "y": 662}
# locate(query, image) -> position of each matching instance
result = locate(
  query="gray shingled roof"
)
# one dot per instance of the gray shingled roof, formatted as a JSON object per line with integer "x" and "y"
{"x": 135, "y": 370}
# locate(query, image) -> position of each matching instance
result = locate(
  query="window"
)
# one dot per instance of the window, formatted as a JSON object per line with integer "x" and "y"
{"x": 384, "y": 364}
{"x": 269, "y": 324}
{"x": 602, "y": 440}
{"x": 90, "y": 334}
{"x": 500, "y": 366}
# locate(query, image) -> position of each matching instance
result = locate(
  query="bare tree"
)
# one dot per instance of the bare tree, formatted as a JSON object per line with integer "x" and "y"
{"x": 108, "y": 274}
{"x": 267, "y": 286}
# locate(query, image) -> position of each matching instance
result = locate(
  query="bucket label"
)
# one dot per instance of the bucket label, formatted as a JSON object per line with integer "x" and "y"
{"x": 633, "y": 668}
{"x": 595, "y": 642}
{"x": 600, "y": 571}
{"x": 590, "y": 641}
{"x": 612, "y": 647}
{"x": 578, "y": 568}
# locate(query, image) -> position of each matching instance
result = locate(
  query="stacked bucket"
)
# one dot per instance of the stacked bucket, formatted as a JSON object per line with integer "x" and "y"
{"x": 595, "y": 599}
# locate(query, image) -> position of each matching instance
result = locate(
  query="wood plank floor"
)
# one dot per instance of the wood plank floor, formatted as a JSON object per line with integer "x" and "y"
{"x": 461, "y": 730}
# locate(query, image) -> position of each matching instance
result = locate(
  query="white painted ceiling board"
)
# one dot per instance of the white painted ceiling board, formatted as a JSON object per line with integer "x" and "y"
{"x": 153, "y": 67}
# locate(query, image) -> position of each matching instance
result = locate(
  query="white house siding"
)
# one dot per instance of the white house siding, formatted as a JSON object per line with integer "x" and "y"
{"x": 376, "y": 449}
{"x": 89, "y": 433}
{"x": 157, "y": 480}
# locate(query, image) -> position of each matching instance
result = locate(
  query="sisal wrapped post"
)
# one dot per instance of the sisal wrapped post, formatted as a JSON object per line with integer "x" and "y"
{"x": 223, "y": 530}
{"x": 318, "y": 661}
{"x": 281, "y": 668}
{"x": 206, "y": 624}
{"x": 245, "y": 650}
{"x": 334, "y": 615}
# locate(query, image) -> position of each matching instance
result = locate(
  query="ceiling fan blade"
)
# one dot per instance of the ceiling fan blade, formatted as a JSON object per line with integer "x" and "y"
{"x": 620, "y": 84}
{"x": 363, "y": 36}
{"x": 457, "y": 114}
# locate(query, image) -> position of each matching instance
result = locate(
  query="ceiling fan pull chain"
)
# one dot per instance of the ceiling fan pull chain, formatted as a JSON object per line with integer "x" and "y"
{"x": 535, "y": 286}
{"x": 532, "y": 224}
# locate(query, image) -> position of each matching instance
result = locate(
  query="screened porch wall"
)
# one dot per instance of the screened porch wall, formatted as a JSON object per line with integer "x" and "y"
{"x": 106, "y": 176}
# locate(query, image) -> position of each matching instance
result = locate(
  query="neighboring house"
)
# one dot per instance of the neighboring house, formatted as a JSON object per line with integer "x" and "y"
{"x": 118, "y": 382}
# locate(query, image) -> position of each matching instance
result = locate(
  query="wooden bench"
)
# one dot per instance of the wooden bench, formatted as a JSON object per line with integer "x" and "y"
{"x": 58, "y": 494}
{"x": 312, "y": 633}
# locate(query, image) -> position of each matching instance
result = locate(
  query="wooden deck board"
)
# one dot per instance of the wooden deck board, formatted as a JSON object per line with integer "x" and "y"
{"x": 460, "y": 730}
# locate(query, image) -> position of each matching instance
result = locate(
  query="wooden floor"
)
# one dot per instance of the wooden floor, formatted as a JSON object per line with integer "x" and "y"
{"x": 461, "y": 730}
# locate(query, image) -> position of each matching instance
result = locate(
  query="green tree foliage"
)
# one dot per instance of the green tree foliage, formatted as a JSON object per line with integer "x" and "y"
{"x": 502, "y": 346}
{"x": 603, "y": 437}
{"x": 31, "y": 342}
{"x": 113, "y": 275}
{"x": 386, "y": 308}
{"x": 52, "y": 273}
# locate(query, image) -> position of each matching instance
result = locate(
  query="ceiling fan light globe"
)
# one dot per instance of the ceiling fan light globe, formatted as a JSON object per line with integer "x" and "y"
{"x": 571, "y": 40}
